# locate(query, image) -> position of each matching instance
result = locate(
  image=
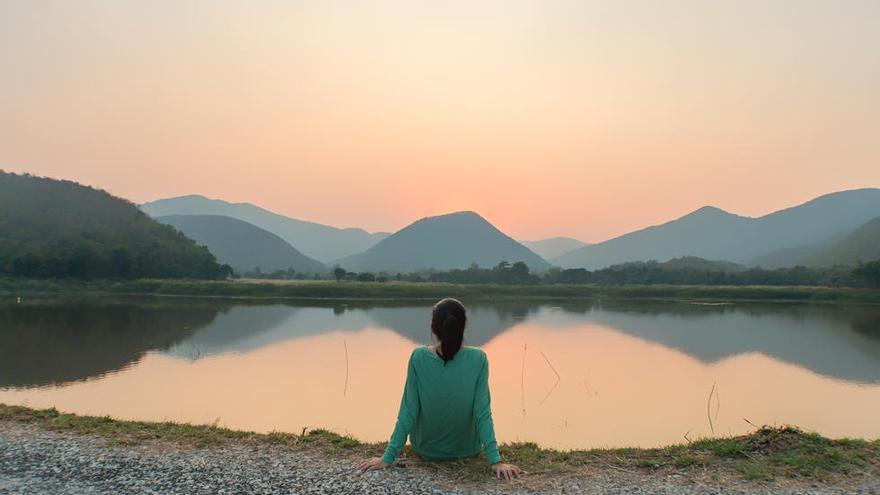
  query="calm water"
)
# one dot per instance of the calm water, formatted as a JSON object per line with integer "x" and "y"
{"x": 574, "y": 375}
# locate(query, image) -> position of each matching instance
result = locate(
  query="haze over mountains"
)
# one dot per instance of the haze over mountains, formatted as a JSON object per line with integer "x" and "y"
{"x": 321, "y": 242}
{"x": 243, "y": 246}
{"x": 52, "y": 228}
{"x": 444, "y": 242}
{"x": 861, "y": 244}
{"x": 821, "y": 232}
{"x": 553, "y": 247}
{"x": 712, "y": 233}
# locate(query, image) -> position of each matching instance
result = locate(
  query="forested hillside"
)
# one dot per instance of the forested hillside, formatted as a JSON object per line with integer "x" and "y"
{"x": 60, "y": 229}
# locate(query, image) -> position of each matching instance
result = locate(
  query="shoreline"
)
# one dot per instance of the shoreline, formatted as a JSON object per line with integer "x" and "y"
{"x": 427, "y": 291}
{"x": 774, "y": 459}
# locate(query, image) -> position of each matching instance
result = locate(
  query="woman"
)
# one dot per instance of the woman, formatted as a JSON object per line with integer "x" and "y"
{"x": 445, "y": 406}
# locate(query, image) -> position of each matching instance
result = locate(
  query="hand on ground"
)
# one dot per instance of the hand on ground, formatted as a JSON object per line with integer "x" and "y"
{"x": 505, "y": 471}
{"x": 371, "y": 464}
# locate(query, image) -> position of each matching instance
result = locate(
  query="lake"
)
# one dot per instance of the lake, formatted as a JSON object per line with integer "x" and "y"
{"x": 565, "y": 375}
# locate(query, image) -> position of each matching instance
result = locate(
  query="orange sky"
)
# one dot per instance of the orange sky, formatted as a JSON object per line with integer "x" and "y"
{"x": 575, "y": 118}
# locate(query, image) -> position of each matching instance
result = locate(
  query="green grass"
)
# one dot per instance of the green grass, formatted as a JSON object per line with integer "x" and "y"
{"x": 134, "y": 432}
{"x": 768, "y": 453}
{"x": 430, "y": 291}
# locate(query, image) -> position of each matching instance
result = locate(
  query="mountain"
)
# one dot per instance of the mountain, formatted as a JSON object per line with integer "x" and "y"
{"x": 553, "y": 247}
{"x": 708, "y": 233}
{"x": 242, "y": 245}
{"x": 60, "y": 229}
{"x": 693, "y": 263}
{"x": 788, "y": 257}
{"x": 862, "y": 244}
{"x": 443, "y": 242}
{"x": 320, "y": 242}
{"x": 712, "y": 233}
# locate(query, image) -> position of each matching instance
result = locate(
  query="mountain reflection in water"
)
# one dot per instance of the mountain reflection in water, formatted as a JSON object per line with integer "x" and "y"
{"x": 565, "y": 375}
{"x": 51, "y": 344}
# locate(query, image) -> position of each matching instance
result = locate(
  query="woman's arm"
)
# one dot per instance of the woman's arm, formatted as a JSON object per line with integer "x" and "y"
{"x": 486, "y": 428}
{"x": 483, "y": 415}
{"x": 406, "y": 417}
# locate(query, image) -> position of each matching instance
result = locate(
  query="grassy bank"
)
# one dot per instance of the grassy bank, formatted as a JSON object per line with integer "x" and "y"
{"x": 767, "y": 453}
{"x": 431, "y": 291}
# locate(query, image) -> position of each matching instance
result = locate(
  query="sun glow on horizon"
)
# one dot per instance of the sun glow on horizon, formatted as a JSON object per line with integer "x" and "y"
{"x": 583, "y": 119}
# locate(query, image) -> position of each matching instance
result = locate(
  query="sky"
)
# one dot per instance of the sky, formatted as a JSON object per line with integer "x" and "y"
{"x": 584, "y": 118}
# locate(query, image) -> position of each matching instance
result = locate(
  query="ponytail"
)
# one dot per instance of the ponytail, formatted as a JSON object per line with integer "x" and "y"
{"x": 451, "y": 335}
{"x": 447, "y": 324}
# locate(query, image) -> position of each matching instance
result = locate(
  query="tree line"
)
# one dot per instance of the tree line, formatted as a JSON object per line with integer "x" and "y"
{"x": 636, "y": 273}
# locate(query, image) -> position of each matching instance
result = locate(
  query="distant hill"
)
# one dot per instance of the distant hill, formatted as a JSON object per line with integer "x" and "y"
{"x": 553, "y": 247}
{"x": 787, "y": 257}
{"x": 712, "y": 233}
{"x": 443, "y": 243}
{"x": 60, "y": 229}
{"x": 320, "y": 242}
{"x": 242, "y": 245}
{"x": 700, "y": 264}
{"x": 862, "y": 244}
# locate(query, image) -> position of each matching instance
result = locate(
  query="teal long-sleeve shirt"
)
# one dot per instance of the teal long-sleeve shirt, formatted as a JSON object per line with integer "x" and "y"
{"x": 445, "y": 410}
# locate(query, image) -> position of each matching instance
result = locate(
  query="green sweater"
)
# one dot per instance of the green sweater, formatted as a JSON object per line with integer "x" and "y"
{"x": 445, "y": 409}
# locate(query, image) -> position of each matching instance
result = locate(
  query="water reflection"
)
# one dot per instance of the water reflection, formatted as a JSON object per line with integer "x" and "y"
{"x": 57, "y": 343}
{"x": 54, "y": 344}
{"x": 839, "y": 342}
{"x": 565, "y": 375}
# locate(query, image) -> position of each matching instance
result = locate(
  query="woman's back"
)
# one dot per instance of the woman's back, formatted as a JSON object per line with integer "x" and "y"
{"x": 448, "y": 399}
{"x": 445, "y": 407}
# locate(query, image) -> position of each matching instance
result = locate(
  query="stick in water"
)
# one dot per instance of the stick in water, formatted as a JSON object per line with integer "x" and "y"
{"x": 709, "y": 408}
{"x": 522, "y": 381}
{"x": 345, "y": 388}
{"x": 558, "y": 378}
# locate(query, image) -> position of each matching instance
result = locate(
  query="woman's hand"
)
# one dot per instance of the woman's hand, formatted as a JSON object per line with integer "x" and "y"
{"x": 371, "y": 464}
{"x": 505, "y": 471}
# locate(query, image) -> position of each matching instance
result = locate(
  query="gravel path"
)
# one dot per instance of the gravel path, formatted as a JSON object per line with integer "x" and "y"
{"x": 35, "y": 460}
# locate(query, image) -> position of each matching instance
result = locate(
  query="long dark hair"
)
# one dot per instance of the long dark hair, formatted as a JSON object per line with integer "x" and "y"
{"x": 447, "y": 324}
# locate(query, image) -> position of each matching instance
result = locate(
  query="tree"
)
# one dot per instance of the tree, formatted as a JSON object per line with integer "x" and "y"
{"x": 339, "y": 273}
{"x": 502, "y": 265}
{"x": 869, "y": 272}
{"x": 520, "y": 271}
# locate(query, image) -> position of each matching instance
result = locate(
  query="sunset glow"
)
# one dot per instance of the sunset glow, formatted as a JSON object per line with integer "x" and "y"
{"x": 586, "y": 119}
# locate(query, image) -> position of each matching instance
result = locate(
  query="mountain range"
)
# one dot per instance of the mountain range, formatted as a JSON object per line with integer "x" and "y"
{"x": 321, "y": 242}
{"x": 827, "y": 230}
{"x": 444, "y": 242}
{"x": 712, "y": 233}
{"x": 243, "y": 246}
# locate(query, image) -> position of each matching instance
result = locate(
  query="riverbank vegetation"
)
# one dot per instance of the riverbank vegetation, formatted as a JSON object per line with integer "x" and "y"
{"x": 393, "y": 290}
{"x": 679, "y": 271}
{"x": 767, "y": 453}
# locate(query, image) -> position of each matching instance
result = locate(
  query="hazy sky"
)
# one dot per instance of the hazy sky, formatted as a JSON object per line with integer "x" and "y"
{"x": 575, "y": 118}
